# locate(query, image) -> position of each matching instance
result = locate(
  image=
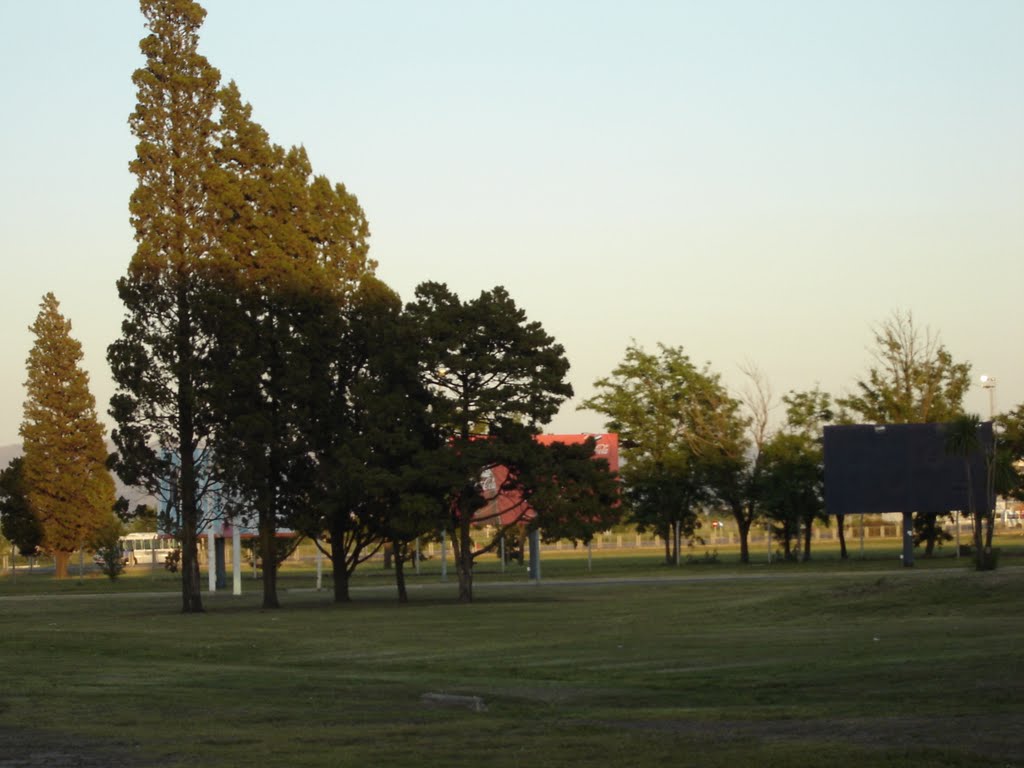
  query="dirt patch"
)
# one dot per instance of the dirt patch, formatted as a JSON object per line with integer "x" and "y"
{"x": 29, "y": 748}
{"x": 998, "y": 738}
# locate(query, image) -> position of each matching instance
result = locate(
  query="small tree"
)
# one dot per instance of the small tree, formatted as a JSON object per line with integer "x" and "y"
{"x": 963, "y": 440}
{"x": 792, "y": 486}
{"x": 17, "y": 523}
{"x": 69, "y": 489}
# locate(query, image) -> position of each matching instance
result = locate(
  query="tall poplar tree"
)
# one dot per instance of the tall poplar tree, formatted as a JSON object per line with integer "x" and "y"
{"x": 158, "y": 363}
{"x": 68, "y": 486}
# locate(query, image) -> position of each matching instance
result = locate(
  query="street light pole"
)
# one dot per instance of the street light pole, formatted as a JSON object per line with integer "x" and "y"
{"x": 989, "y": 383}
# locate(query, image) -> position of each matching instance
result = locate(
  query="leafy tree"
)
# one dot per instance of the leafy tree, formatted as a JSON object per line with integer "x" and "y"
{"x": 369, "y": 426}
{"x": 807, "y": 414}
{"x": 573, "y": 494}
{"x": 159, "y": 364}
{"x": 963, "y": 440}
{"x": 494, "y": 378}
{"x": 792, "y": 486}
{"x": 67, "y": 484}
{"x": 913, "y": 380}
{"x": 17, "y": 523}
{"x": 1009, "y": 477}
{"x": 679, "y": 431}
{"x": 735, "y": 467}
{"x": 289, "y": 251}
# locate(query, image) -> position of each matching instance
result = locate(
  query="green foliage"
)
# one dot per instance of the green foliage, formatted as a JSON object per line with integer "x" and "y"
{"x": 573, "y": 494}
{"x": 963, "y": 439}
{"x": 160, "y": 361}
{"x": 493, "y": 379}
{"x": 65, "y": 476}
{"x": 1009, "y": 470}
{"x": 792, "y": 489}
{"x": 17, "y": 523}
{"x": 914, "y": 378}
{"x": 107, "y": 546}
{"x": 681, "y": 437}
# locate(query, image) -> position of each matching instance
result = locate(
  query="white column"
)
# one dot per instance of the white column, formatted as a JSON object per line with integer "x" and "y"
{"x": 236, "y": 558}
{"x": 211, "y": 558}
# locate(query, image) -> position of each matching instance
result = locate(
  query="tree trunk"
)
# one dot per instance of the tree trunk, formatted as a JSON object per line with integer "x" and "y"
{"x": 399, "y": 560}
{"x": 841, "y": 523}
{"x": 463, "y": 545}
{"x": 268, "y": 546}
{"x": 808, "y": 533}
{"x": 668, "y": 546}
{"x": 191, "y": 597}
{"x": 743, "y": 526}
{"x": 60, "y": 564}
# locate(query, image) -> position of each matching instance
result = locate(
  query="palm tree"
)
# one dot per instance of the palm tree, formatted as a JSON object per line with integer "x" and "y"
{"x": 963, "y": 440}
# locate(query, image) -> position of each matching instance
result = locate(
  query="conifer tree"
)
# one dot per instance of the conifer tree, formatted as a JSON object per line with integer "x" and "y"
{"x": 289, "y": 251}
{"x": 68, "y": 486}
{"x": 158, "y": 363}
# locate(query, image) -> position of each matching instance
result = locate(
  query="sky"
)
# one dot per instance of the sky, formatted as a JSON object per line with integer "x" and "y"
{"x": 758, "y": 183}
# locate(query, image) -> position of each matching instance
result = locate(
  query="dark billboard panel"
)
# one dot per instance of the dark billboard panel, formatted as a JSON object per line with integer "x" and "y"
{"x": 876, "y": 468}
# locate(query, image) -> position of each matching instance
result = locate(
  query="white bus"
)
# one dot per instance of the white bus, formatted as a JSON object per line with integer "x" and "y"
{"x": 147, "y": 548}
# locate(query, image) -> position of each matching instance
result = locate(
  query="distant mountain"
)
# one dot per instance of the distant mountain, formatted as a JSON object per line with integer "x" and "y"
{"x": 134, "y": 495}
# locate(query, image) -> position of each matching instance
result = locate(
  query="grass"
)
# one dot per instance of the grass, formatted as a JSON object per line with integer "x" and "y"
{"x": 715, "y": 665}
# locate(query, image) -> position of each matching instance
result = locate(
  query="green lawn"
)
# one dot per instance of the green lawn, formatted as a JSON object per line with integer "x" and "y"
{"x": 703, "y": 665}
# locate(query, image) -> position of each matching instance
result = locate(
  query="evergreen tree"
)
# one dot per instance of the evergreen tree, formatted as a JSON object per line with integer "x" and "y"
{"x": 68, "y": 486}
{"x": 494, "y": 378}
{"x": 289, "y": 250}
{"x": 158, "y": 363}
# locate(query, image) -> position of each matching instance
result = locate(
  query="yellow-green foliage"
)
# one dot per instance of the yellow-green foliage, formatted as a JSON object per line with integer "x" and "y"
{"x": 69, "y": 488}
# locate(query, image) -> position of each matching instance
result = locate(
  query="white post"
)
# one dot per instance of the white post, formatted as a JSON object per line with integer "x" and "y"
{"x": 236, "y": 558}
{"x": 211, "y": 559}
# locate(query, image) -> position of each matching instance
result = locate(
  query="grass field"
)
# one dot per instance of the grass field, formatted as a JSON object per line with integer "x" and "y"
{"x": 631, "y": 663}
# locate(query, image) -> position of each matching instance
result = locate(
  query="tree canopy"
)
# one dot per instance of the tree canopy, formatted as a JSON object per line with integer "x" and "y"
{"x": 676, "y": 422}
{"x": 67, "y": 484}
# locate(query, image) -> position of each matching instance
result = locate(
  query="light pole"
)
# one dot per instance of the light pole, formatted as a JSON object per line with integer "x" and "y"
{"x": 989, "y": 383}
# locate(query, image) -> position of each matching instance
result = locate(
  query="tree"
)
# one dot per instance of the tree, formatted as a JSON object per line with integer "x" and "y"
{"x": 17, "y": 523}
{"x": 68, "y": 486}
{"x": 494, "y": 378}
{"x": 963, "y": 440}
{"x": 736, "y": 466}
{"x": 680, "y": 432}
{"x": 914, "y": 379}
{"x": 288, "y": 253}
{"x": 371, "y": 411}
{"x": 807, "y": 414}
{"x": 1009, "y": 476}
{"x": 159, "y": 363}
{"x": 792, "y": 489}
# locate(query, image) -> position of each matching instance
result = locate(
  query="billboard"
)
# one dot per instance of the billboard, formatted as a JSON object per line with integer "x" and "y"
{"x": 506, "y": 507}
{"x": 876, "y": 468}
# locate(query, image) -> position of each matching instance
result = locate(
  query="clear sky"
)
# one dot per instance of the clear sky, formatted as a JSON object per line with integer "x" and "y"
{"x": 757, "y": 182}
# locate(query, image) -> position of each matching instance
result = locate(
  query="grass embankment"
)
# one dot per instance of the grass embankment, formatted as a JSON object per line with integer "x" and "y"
{"x": 771, "y": 666}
